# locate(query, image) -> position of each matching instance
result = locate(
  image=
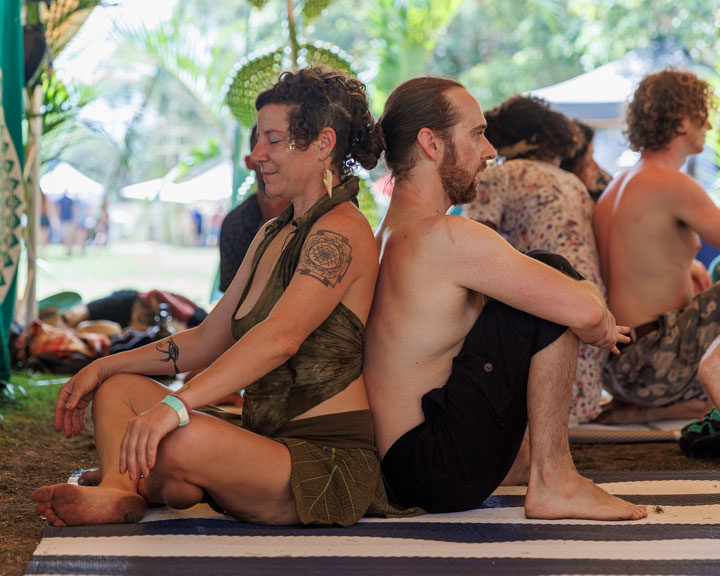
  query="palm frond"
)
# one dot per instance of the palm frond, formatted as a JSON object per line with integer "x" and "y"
{"x": 258, "y": 72}
{"x": 63, "y": 20}
{"x": 185, "y": 56}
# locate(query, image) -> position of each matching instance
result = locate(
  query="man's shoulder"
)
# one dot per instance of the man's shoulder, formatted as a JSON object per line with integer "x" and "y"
{"x": 432, "y": 239}
{"x": 661, "y": 183}
{"x": 247, "y": 210}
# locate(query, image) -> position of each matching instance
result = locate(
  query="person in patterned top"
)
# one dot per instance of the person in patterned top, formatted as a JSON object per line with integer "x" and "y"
{"x": 535, "y": 205}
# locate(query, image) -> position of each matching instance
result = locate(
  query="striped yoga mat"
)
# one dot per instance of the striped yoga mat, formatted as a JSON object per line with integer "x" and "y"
{"x": 680, "y": 536}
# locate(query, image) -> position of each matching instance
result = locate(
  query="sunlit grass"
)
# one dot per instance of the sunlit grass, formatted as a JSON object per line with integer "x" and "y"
{"x": 99, "y": 271}
{"x": 27, "y": 400}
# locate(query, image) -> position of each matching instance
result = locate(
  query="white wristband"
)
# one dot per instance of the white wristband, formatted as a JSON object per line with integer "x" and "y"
{"x": 177, "y": 405}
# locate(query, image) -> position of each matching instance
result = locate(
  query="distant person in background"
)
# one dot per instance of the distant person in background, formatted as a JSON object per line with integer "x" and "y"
{"x": 648, "y": 224}
{"x": 81, "y": 224}
{"x": 216, "y": 220}
{"x": 101, "y": 226}
{"x": 66, "y": 208}
{"x": 45, "y": 226}
{"x": 136, "y": 310}
{"x": 536, "y": 205}
{"x": 581, "y": 162}
{"x": 243, "y": 222}
{"x": 198, "y": 228}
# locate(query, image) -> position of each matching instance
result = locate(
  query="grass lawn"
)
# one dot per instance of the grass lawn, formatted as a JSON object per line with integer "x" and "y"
{"x": 98, "y": 271}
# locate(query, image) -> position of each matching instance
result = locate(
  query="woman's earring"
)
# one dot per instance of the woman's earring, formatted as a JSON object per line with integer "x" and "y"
{"x": 327, "y": 181}
{"x": 290, "y": 144}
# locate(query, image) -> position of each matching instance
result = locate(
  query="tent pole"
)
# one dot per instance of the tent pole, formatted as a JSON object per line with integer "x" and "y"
{"x": 33, "y": 212}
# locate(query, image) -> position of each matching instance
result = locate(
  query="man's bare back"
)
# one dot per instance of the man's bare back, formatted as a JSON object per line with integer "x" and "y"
{"x": 403, "y": 357}
{"x": 451, "y": 403}
{"x": 648, "y": 225}
{"x": 646, "y": 251}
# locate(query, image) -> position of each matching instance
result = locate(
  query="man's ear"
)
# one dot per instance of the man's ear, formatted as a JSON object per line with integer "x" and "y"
{"x": 430, "y": 144}
{"x": 326, "y": 140}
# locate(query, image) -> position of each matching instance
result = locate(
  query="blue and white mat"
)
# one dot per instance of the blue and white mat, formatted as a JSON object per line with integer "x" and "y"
{"x": 681, "y": 535}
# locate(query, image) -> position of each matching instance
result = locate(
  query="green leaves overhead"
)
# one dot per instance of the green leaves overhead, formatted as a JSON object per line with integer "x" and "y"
{"x": 185, "y": 57}
{"x": 310, "y": 8}
{"x": 324, "y": 54}
{"x": 257, "y": 73}
{"x": 64, "y": 19}
{"x": 313, "y": 8}
{"x": 251, "y": 77}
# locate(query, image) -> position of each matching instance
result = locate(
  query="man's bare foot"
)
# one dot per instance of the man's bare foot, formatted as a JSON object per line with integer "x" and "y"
{"x": 70, "y": 505}
{"x": 90, "y": 477}
{"x": 617, "y": 412}
{"x": 569, "y": 495}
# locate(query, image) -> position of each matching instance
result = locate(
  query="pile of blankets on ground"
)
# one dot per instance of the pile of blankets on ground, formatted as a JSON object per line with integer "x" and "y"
{"x": 51, "y": 346}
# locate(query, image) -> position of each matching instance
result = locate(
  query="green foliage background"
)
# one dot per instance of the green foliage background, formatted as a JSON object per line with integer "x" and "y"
{"x": 177, "y": 76}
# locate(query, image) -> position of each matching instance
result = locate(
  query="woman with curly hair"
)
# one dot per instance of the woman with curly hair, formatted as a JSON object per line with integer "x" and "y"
{"x": 536, "y": 205}
{"x": 581, "y": 161}
{"x": 288, "y": 331}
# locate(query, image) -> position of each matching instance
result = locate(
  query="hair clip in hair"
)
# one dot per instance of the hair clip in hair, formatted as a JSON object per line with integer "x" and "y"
{"x": 290, "y": 144}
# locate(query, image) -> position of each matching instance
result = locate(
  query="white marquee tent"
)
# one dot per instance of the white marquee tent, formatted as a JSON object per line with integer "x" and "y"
{"x": 599, "y": 97}
{"x": 212, "y": 185}
{"x": 64, "y": 178}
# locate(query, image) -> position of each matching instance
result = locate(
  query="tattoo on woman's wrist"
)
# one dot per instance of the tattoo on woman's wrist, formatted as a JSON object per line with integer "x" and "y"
{"x": 172, "y": 352}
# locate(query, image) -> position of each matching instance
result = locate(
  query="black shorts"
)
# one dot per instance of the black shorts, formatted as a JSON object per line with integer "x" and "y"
{"x": 475, "y": 423}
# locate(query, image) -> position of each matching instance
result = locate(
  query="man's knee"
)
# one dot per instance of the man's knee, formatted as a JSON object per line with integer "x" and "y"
{"x": 561, "y": 351}
{"x": 555, "y": 261}
{"x": 709, "y": 368}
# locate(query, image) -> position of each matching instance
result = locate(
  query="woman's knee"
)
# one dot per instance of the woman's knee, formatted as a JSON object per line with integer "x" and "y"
{"x": 121, "y": 389}
{"x": 111, "y": 391}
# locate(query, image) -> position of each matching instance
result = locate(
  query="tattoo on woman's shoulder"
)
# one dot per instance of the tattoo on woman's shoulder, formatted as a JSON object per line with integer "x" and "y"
{"x": 326, "y": 256}
{"x": 171, "y": 351}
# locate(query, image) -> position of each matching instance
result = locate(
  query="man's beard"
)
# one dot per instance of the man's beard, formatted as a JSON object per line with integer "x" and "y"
{"x": 458, "y": 183}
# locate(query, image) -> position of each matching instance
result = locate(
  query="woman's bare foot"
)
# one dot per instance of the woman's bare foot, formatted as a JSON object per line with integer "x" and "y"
{"x": 70, "y": 505}
{"x": 569, "y": 495}
{"x": 90, "y": 477}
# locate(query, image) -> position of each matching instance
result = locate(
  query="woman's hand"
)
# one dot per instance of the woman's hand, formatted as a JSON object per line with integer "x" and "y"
{"x": 75, "y": 396}
{"x": 138, "y": 449}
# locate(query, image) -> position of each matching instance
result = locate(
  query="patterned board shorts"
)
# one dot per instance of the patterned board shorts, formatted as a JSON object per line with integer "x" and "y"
{"x": 661, "y": 368}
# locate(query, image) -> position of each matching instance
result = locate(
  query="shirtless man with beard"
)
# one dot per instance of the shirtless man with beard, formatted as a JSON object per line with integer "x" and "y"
{"x": 468, "y": 339}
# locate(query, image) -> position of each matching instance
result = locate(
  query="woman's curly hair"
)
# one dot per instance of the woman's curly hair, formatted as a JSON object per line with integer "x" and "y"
{"x": 584, "y": 136}
{"x": 319, "y": 98}
{"x": 660, "y": 104}
{"x": 546, "y": 132}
